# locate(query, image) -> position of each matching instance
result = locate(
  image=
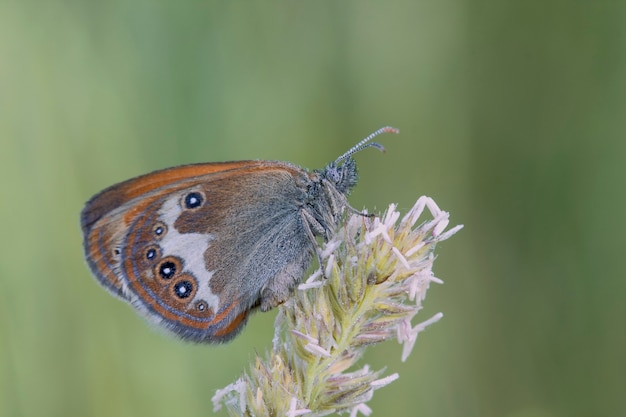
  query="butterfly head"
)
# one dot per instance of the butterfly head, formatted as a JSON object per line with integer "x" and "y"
{"x": 342, "y": 172}
{"x": 327, "y": 192}
{"x": 342, "y": 176}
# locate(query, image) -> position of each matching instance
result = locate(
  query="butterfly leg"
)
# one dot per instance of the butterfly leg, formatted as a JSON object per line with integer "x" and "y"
{"x": 310, "y": 225}
{"x": 338, "y": 200}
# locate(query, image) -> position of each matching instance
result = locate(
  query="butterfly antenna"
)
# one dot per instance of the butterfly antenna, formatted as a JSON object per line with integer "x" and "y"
{"x": 364, "y": 143}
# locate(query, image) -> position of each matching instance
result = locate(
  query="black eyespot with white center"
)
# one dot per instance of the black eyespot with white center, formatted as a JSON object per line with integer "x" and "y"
{"x": 202, "y": 305}
{"x": 151, "y": 254}
{"x": 159, "y": 229}
{"x": 167, "y": 270}
{"x": 193, "y": 200}
{"x": 183, "y": 289}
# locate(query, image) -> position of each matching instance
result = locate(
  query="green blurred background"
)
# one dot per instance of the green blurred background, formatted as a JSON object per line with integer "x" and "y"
{"x": 513, "y": 118}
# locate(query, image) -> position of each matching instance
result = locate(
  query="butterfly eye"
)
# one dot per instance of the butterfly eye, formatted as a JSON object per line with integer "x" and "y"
{"x": 193, "y": 200}
{"x": 168, "y": 267}
{"x": 183, "y": 289}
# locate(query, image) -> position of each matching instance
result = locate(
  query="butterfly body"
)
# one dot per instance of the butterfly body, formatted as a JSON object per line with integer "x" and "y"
{"x": 196, "y": 248}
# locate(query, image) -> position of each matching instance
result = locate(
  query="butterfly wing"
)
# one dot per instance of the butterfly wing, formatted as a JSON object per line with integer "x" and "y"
{"x": 194, "y": 248}
{"x": 106, "y": 218}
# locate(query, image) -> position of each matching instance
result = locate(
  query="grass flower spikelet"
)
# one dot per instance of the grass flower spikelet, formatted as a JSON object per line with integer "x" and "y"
{"x": 377, "y": 273}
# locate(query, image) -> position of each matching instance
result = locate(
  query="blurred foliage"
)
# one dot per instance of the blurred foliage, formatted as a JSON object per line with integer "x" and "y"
{"x": 512, "y": 118}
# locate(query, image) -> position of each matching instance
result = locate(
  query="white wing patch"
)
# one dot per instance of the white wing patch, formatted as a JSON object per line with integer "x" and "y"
{"x": 190, "y": 247}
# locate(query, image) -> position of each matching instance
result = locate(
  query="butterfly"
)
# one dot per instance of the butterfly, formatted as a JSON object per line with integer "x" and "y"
{"x": 196, "y": 248}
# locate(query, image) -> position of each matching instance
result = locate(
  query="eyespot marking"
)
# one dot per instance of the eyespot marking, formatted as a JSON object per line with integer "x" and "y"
{"x": 193, "y": 200}
{"x": 168, "y": 267}
{"x": 183, "y": 289}
{"x": 159, "y": 229}
{"x": 167, "y": 270}
{"x": 152, "y": 253}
